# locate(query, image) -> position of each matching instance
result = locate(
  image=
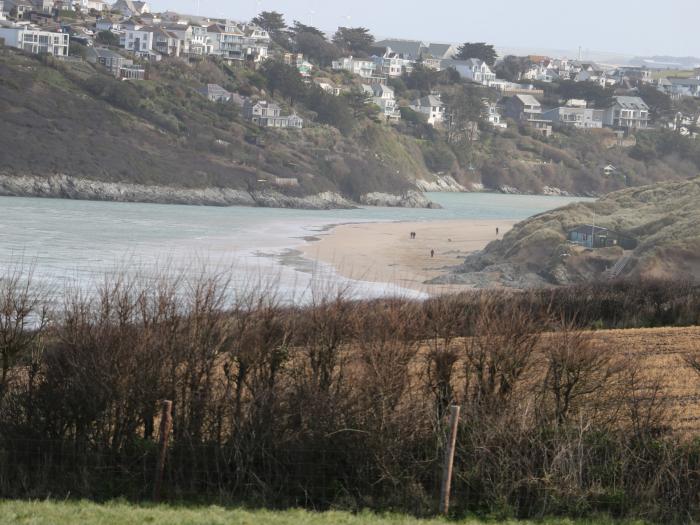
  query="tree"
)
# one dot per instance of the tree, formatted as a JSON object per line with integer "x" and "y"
{"x": 354, "y": 40}
{"x": 107, "y": 38}
{"x": 271, "y": 21}
{"x": 316, "y": 48}
{"x": 360, "y": 104}
{"x": 465, "y": 109}
{"x": 331, "y": 110}
{"x": 659, "y": 103}
{"x": 299, "y": 28}
{"x": 422, "y": 79}
{"x": 480, "y": 50}
{"x": 283, "y": 78}
{"x": 511, "y": 67}
{"x": 589, "y": 91}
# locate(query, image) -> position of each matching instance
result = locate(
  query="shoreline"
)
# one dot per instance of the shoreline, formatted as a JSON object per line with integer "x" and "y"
{"x": 384, "y": 252}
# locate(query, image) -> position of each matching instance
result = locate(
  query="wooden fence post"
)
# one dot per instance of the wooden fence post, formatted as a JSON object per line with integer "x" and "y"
{"x": 449, "y": 461}
{"x": 166, "y": 424}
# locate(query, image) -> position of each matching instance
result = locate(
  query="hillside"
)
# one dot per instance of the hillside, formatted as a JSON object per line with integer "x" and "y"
{"x": 71, "y": 130}
{"x": 661, "y": 218}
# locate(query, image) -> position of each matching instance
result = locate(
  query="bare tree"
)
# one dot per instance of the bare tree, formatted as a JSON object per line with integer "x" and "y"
{"x": 23, "y": 316}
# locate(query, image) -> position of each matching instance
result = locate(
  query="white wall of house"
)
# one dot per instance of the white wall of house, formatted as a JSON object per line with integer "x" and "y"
{"x": 138, "y": 41}
{"x": 36, "y": 40}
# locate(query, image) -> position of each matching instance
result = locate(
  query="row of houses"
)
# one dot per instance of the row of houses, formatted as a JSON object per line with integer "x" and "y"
{"x": 626, "y": 113}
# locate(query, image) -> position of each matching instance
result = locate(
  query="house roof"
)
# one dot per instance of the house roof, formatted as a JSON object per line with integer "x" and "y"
{"x": 684, "y": 81}
{"x": 429, "y": 102}
{"x": 102, "y": 52}
{"x": 631, "y": 103}
{"x": 528, "y": 100}
{"x": 214, "y": 90}
{"x": 407, "y": 48}
{"x": 439, "y": 50}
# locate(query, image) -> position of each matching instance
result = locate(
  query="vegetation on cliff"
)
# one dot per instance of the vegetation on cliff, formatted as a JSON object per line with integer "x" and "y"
{"x": 662, "y": 219}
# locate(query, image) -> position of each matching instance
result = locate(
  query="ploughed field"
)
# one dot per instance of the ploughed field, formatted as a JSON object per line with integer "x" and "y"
{"x": 659, "y": 353}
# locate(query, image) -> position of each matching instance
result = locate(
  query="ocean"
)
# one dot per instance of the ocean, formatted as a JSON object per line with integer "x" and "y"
{"x": 71, "y": 243}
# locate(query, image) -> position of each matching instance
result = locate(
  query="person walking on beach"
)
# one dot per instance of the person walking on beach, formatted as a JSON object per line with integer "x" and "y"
{"x": 497, "y": 231}
{"x": 432, "y": 254}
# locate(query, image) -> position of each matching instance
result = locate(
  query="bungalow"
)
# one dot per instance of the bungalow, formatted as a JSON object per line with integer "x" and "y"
{"x": 215, "y": 93}
{"x": 473, "y": 69}
{"x": 304, "y": 67}
{"x": 35, "y": 40}
{"x": 363, "y": 68}
{"x": 493, "y": 115}
{"x": 629, "y": 113}
{"x": 431, "y": 106}
{"x": 591, "y": 236}
{"x": 106, "y": 24}
{"x": 269, "y": 115}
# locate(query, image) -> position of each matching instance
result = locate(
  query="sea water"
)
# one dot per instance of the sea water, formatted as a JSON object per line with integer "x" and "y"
{"x": 72, "y": 242}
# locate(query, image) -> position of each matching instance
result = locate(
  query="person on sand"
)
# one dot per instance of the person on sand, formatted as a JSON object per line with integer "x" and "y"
{"x": 432, "y": 253}
{"x": 497, "y": 231}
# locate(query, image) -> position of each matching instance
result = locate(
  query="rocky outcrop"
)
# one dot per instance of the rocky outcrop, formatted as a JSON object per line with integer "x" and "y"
{"x": 441, "y": 183}
{"x": 67, "y": 187}
{"x": 410, "y": 199}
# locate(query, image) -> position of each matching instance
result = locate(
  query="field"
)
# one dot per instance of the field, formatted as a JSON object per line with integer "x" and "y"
{"x": 658, "y": 352}
{"x": 68, "y": 513}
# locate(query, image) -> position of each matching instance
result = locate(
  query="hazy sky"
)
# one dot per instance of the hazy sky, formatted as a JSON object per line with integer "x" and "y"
{"x": 634, "y": 27}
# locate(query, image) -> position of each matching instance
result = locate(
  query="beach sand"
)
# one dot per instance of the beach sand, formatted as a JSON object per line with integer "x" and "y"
{"x": 385, "y": 253}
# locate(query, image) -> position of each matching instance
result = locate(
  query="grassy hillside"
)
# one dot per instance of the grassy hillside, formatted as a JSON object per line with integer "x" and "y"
{"x": 74, "y": 119}
{"x": 663, "y": 218}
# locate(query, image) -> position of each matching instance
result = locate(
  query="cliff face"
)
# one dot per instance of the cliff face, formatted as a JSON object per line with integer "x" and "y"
{"x": 663, "y": 218}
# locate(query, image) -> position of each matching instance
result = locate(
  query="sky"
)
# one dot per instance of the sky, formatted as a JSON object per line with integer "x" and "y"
{"x": 631, "y": 27}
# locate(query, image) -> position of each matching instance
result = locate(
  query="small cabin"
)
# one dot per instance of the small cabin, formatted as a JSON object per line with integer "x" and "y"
{"x": 591, "y": 236}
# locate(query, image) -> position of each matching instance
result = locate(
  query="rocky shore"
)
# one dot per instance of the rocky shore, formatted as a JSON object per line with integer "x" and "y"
{"x": 67, "y": 187}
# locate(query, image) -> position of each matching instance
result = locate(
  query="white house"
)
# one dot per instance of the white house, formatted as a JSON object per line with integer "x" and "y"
{"x": 391, "y": 64}
{"x": 430, "y": 106}
{"x": 269, "y": 115}
{"x": 35, "y": 40}
{"x": 328, "y": 86}
{"x": 363, "y": 68}
{"x": 385, "y": 99}
{"x": 629, "y": 113}
{"x": 2, "y": 10}
{"x": 139, "y": 41}
{"x": 92, "y": 5}
{"x": 473, "y": 69}
{"x": 493, "y": 115}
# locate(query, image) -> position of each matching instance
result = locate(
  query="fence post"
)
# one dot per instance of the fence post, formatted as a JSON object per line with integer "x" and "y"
{"x": 449, "y": 461}
{"x": 166, "y": 424}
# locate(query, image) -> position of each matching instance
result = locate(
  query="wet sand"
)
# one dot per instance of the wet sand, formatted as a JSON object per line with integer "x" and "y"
{"x": 385, "y": 252}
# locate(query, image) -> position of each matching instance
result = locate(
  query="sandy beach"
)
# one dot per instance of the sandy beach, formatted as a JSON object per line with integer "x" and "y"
{"x": 385, "y": 252}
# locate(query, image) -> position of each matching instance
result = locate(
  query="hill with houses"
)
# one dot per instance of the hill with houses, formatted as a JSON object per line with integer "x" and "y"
{"x": 117, "y": 102}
